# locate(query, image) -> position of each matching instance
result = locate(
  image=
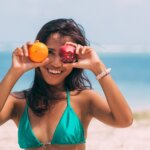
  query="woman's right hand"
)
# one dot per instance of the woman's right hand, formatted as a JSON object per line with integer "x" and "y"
{"x": 21, "y": 61}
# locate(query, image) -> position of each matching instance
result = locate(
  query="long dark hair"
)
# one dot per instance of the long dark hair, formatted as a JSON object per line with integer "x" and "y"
{"x": 41, "y": 95}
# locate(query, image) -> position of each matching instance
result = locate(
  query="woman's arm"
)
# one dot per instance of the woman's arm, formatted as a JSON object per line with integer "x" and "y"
{"x": 7, "y": 84}
{"x": 7, "y": 102}
{"x": 114, "y": 110}
{"x": 20, "y": 64}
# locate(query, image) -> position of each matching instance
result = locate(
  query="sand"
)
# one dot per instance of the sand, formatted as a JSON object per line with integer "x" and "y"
{"x": 100, "y": 136}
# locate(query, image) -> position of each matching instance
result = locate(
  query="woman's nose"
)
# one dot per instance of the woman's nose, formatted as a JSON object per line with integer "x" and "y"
{"x": 57, "y": 62}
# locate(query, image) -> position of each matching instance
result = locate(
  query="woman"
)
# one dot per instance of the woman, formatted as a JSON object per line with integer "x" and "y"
{"x": 56, "y": 111}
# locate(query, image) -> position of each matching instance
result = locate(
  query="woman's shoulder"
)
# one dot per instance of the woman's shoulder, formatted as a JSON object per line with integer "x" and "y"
{"x": 88, "y": 92}
{"x": 19, "y": 102}
{"x": 18, "y": 98}
{"x": 90, "y": 95}
{"x": 18, "y": 95}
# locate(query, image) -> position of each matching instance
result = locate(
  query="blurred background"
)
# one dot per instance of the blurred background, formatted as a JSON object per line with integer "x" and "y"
{"x": 119, "y": 30}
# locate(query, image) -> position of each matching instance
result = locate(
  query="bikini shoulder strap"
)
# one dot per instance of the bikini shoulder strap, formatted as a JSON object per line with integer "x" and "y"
{"x": 68, "y": 97}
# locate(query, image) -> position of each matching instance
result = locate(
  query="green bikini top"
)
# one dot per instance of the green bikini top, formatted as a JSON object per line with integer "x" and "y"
{"x": 68, "y": 131}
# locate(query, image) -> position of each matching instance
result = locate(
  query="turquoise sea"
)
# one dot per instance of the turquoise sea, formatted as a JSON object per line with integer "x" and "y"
{"x": 130, "y": 71}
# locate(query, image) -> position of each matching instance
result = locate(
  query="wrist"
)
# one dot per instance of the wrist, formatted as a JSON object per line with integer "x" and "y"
{"x": 103, "y": 74}
{"x": 15, "y": 72}
{"x": 98, "y": 68}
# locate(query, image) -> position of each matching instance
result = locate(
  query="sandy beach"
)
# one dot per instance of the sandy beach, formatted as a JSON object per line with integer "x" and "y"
{"x": 100, "y": 136}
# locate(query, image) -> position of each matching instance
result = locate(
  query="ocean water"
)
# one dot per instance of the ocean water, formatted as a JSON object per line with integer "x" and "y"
{"x": 132, "y": 74}
{"x": 129, "y": 70}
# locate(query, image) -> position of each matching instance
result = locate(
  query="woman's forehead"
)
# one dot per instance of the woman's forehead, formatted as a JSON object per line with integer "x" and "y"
{"x": 57, "y": 39}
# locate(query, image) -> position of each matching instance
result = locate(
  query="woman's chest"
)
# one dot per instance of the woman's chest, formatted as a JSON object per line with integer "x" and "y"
{"x": 61, "y": 118}
{"x": 65, "y": 121}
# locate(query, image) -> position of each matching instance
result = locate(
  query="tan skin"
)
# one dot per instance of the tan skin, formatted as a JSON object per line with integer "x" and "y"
{"x": 112, "y": 110}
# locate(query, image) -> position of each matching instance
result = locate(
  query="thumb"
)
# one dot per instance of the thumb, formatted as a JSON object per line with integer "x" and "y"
{"x": 44, "y": 62}
{"x": 68, "y": 65}
{"x": 76, "y": 65}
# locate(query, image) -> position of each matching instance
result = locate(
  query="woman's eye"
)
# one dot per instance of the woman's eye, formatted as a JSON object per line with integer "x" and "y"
{"x": 50, "y": 51}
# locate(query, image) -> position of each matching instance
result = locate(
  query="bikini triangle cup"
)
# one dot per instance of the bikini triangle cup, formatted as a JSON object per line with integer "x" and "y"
{"x": 69, "y": 129}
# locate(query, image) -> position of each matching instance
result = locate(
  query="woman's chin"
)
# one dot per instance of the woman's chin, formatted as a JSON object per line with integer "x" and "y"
{"x": 55, "y": 84}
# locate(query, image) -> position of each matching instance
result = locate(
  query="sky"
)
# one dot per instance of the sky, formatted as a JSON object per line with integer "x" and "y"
{"x": 106, "y": 22}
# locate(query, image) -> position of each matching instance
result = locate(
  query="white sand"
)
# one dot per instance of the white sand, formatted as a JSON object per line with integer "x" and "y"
{"x": 100, "y": 136}
{"x": 135, "y": 137}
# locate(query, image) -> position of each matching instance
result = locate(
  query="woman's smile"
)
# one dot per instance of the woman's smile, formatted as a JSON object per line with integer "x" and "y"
{"x": 54, "y": 72}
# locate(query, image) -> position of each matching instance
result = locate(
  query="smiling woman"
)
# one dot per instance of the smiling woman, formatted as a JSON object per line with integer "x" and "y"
{"x": 56, "y": 111}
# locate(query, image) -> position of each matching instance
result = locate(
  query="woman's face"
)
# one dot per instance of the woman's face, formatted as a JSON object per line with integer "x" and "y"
{"x": 54, "y": 72}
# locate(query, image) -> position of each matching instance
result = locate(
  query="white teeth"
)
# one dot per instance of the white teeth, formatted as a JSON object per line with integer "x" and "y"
{"x": 54, "y": 71}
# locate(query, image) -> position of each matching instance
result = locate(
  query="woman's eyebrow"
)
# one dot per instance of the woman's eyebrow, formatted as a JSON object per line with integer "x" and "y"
{"x": 51, "y": 49}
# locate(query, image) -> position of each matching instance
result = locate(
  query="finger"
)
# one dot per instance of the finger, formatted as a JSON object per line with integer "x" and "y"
{"x": 83, "y": 50}
{"x": 25, "y": 50}
{"x": 79, "y": 49}
{"x": 29, "y": 43}
{"x": 76, "y": 65}
{"x": 86, "y": 50}
{"x": 37, "y": 41}
{"x": 71, "y": 43}
{"x": 44, "y": 62}
{"x": 18, "y": 52}
{"x": 67, "y": 65}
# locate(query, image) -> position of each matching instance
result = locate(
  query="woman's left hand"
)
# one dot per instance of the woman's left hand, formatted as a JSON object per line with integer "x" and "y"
{"x": 87, "y": 58}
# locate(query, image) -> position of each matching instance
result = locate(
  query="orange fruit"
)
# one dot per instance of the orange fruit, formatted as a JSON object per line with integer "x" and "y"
{"x": 38, "y": 51}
